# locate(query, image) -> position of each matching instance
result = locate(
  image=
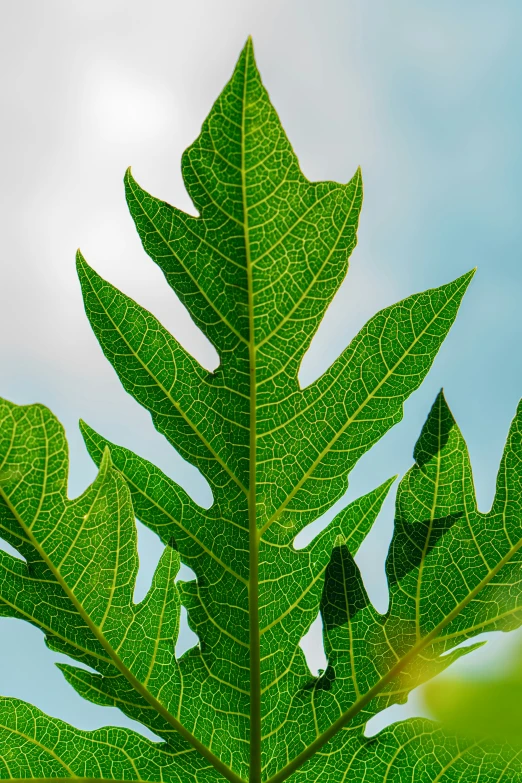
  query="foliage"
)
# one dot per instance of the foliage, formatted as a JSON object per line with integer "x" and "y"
{"x": 256, "y": 269}
{"x": 481, "y": 706}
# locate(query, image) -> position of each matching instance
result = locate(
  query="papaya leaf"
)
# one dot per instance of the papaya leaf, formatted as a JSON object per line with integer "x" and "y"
{"x": 256, "y": 269}
{"x": 453, "y": 573}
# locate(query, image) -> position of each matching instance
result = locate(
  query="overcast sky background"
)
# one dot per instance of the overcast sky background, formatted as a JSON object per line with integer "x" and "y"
{"x": 424, "y": 96}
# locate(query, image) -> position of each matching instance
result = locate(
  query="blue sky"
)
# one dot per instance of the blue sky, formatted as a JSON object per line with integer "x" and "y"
{"x": 425, "y": 96}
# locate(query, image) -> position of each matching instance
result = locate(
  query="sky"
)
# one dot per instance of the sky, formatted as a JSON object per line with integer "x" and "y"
{"x": 424, "y": 96}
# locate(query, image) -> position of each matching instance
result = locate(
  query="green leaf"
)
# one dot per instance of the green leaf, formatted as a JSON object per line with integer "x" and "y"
{"x": 36, "y": 747}
{"x": 77, "y": 581}
{"x": 256, "y": 269}
{"x": 414, "y": 751}
{"x": 453, "y": 573}
{"x": 484, "y": 708}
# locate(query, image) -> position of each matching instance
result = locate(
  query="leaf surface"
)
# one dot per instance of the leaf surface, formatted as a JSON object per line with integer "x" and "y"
{"x": 453, "y": 572}
{"x": 37, "y": 747}
{"x": 256, "y": 269}
{"x": 77, "y": 581}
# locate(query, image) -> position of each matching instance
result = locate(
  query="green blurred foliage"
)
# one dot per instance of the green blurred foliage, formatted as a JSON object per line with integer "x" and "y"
{"x": 478, "y": 706}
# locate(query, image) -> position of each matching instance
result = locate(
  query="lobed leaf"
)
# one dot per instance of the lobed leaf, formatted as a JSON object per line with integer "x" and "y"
{"x": 256, "y": 269}
{"x": 453, "y": 573}
{"x": 39, "y": 748}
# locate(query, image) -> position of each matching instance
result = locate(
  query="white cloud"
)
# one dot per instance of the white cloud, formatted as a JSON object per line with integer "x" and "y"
{"x": 121, "y": 106}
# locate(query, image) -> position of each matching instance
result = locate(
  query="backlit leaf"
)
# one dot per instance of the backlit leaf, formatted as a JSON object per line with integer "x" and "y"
{"x": 256, "y": 268}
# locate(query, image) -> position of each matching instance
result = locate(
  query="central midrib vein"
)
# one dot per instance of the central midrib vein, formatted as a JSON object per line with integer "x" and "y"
{"x": 253, "y": 581}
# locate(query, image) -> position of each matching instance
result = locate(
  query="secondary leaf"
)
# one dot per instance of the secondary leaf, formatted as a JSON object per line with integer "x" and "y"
{"x": 414, "y": 751}
{"x": 256, "y": 269}
{"x": 453, "y": 573}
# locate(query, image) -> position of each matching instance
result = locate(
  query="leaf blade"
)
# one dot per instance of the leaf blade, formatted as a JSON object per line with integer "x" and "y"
{"x": 38, "y": 747}
{"x": 256, "y": 269}
{"x": 67, "y": 544}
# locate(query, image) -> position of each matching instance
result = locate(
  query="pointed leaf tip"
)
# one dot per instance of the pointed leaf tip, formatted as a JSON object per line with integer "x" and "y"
{"x": 129, "y": 181}
{"x": 106, "y": 460}
{"x": 441, "y": 403}
{"x": 436, "y": 430}
{"x": 340, "y": 541}
{"x": 84, "y": 428}
{"x": 247, "y": 53}
{"x": 469, "y": 275}
{"x": 80, "y": 260}
{"x": 357, "y": 178}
